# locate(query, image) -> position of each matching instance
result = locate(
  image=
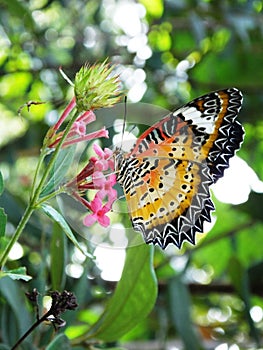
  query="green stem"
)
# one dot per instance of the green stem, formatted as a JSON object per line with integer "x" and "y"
{"x": 35, "y": 196}
{"x": 30, "y": 330}
{"x": 50, "y": 196}
{"x": 53, "y": 159}
{"x": 28, "y": 212}
{"x": 39, "y": 164}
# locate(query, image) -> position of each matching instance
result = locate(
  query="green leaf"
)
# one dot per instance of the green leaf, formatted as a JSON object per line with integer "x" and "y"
{"x": 58, "y": 218}
{"x": 8, "y": 317}
{"x": 3, "y": 244}
{"x": 1, "y": 183}
{"x": 133, "y": 298}
{"x": 16, "y": 314}
{"x": 180, "y": 304}
{"x": 59, "y": 170}
{"x": 3, "y": 219}
{"x": 60, "y": 342}
{"x": 58, "y": 252}
{"x": 16, "y": 274}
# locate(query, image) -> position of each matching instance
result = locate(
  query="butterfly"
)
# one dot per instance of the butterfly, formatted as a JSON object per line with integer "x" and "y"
{"x": 166, "y": 177}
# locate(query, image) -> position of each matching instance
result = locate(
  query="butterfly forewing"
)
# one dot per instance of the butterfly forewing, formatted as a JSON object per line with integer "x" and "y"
{"x": 167, "y": 174}
{"x": 213, "y": 117}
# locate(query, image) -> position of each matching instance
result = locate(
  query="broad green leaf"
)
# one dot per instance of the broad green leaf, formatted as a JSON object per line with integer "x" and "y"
{"x": 8, "y": 317}
{"x": 3, "y": 219}
{"x": 73, "y": 332}
{"x": 58, "y": 218}
{"x": 59, "y": 170}
{"x": 1, "y": 183}
{"x": 180, "y": 304}
{"x": 133, "y": 299}
{"x": 3, "y": 244}
{"x": 58, "y": 252}
{"x": 16, "y": 274}
{"x": 60, "y": 342}
{"x": 17, "y": 312}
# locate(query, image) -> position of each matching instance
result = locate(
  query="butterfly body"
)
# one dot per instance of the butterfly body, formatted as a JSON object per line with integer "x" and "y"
{"x": 167, "y": 174}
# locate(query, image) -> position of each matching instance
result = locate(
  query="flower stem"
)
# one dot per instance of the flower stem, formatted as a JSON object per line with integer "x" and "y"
{"x": 28, "y": 212}
{"x": 39, "y": 164}
{"x": 50, "y": 196}
{"x": 33, "y": 203}
{"x": 53, "y": 159}
{"x": 30, "y": 330}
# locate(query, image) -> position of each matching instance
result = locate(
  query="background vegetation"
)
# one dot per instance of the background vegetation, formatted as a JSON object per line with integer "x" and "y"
{"x": 167, "y": 52}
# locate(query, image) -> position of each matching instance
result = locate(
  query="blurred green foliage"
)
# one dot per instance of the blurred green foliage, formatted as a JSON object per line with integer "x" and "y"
{"x": 166, "y": 53}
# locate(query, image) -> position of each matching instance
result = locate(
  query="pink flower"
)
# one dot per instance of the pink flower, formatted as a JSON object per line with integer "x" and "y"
{"x": 93, "y": 176}
{"x": 86, "y": 137}
{"x": 64, "y": 115}
{"x": 77, "y": 132}
{"x": 110, "y": 182}
{"x": 106, "y": 187}
{"x": 98, "y": 178}
{"x": 98, "y": 214}
{"x": 105, "y": 190}
{"x": 79, "y": 126}
{"x": 106, "y": 159}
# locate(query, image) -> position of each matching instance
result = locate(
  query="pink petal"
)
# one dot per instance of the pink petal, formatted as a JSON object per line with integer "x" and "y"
{"x": 96, "y": 204}
{"x": 87, "y": 117}
{"x": 101, "y": 165}
{"x": 107, "y": 153}
{"x": 112, "y": 196}
{"x": 111, "y": 164}
{"x": 98, "y": 150}
{"x": 66, "y": 112}
{"x": 89, "y": 220}
{"x": 103, "y": 220}
{"x": 101, "y": 194}
{"x": 98, "y": 179}
{"x": 111, "y": 180}
{"x": 79, "y": 127}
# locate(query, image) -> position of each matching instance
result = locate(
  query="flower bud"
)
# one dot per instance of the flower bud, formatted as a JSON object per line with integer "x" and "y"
{"x": 95, "y": 87}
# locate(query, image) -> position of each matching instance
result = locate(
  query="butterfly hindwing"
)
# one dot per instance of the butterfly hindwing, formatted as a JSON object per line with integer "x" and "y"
{"x": 167, "y": 174}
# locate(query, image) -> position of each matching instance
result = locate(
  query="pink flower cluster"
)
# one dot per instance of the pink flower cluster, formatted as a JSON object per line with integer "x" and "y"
{"x": 93, "y": 176}
{"x": 78, "y": 130}
{"x": 96, "y": 175}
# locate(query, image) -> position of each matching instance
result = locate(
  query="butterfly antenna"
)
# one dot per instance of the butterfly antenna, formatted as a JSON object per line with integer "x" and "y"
{"x": 124, "y": 119}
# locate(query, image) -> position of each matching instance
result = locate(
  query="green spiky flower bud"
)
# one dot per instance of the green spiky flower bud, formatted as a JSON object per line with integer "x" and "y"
{"x": 96, "y": 87}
